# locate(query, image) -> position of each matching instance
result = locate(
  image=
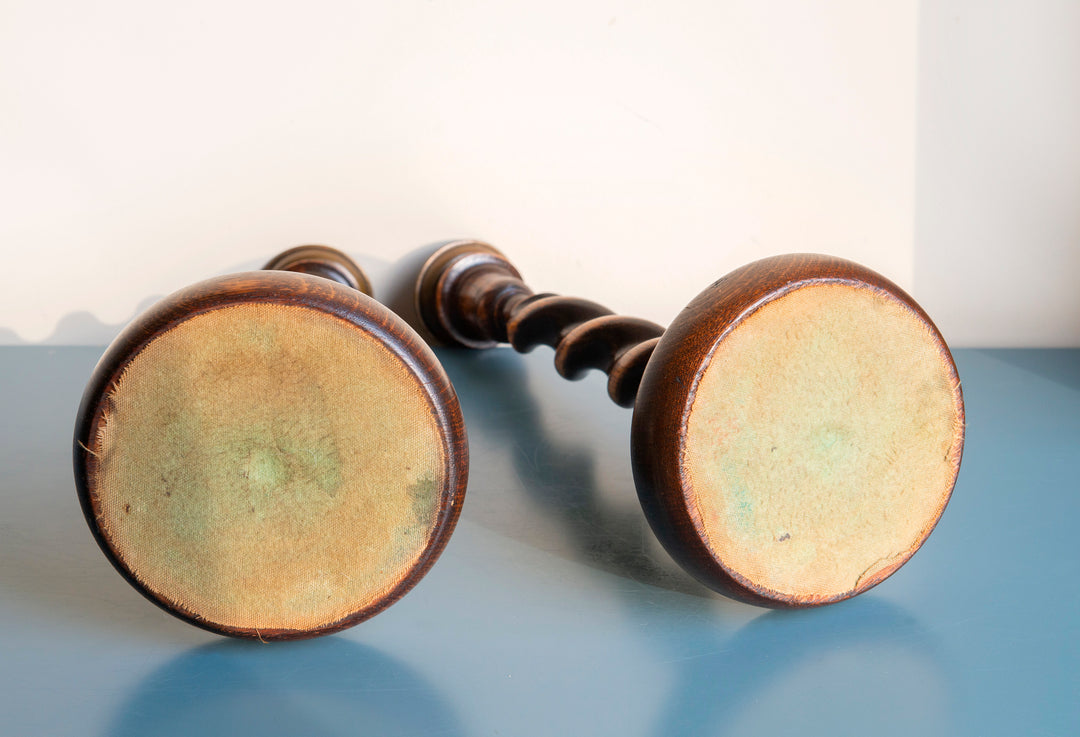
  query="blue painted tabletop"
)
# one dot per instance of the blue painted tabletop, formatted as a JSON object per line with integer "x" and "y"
{"x": 553, "y": 610}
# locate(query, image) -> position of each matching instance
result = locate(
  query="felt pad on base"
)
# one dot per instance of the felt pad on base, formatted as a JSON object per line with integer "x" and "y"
{"x": 822, "y": 442}
{"x": 267, "y": 466}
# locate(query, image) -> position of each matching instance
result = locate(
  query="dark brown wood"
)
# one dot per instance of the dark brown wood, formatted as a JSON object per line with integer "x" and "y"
{"x": 323, "y": 261}
{"x": 469, "y": 294}
{"x": 321, "y": 299}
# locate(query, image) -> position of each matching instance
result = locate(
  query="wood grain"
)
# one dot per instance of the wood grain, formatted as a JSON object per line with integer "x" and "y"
{"x": 469, "y": 294}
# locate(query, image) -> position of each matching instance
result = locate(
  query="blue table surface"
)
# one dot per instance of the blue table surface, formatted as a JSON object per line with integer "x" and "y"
{"x": 553, "y": 609}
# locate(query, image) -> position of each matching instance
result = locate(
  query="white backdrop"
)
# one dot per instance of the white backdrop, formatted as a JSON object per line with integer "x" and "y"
{"x": 628, "y": 152}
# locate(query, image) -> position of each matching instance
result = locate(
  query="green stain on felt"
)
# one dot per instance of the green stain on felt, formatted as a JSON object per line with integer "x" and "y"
{"x": 833, "y": 453}
{"x": 285, "y": 472}
{"x": 740, "y": 503}
{"x": 422, "y": 494}
{"x": 264, "y": 469}
{"x": 253, "y": 476}
{"x": 826, "y": 438}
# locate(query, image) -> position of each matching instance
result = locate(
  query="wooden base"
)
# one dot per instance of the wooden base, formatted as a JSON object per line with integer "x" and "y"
{"x": 271, "y": 455}
{"x": 818, "y": 456}
{"x": 324, "y": 261}
{"x": 797, "y": 430}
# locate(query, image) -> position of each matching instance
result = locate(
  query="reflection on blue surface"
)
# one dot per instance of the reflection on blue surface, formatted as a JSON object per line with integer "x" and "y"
{"x": 553, "y": 610}
{"x": 996, "y": 624}
{"x": 825, "y": 667}
{"x": 849, "y": 668}
{"x": 322, "y": 687}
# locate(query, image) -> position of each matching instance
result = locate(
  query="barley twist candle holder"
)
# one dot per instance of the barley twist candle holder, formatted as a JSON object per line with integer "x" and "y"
{"x": 271, "y": 454}
{"x": 797, "y": 430}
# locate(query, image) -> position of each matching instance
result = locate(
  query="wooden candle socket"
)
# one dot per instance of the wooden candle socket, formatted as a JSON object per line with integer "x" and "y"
{"x": 271, "y": 454}
{"x": 797, "y": 430}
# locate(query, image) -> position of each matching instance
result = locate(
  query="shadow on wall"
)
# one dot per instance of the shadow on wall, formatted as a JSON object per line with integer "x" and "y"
{"x": 393, "y": 285}
{"x": 79, "y": 328}
{"x": 398, "y": 284}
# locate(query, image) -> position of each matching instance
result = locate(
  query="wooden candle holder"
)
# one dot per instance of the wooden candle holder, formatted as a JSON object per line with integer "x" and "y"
{"x": 797, "y": 430}
{"x": 271, "y": 454}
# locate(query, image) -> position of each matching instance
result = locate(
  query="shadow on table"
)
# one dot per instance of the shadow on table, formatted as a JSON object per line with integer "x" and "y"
{"x": 560, "y": 477}
{"x": 330, "y": 686}
{"x": 50, "y": 567}
{"x": 861, "y": 666}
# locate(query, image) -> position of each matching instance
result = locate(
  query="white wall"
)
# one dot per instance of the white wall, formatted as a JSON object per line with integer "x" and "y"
{"x": 997, "y": 236}
{"x": 628, "y": 152}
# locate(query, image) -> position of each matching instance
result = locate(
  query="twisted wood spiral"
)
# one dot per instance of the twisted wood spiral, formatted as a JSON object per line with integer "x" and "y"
{"x": 495, "y": 306}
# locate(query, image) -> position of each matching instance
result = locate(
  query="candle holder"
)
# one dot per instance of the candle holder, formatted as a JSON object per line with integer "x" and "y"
{"x": 797, "y": 430}
{"x": 271, "y": 454}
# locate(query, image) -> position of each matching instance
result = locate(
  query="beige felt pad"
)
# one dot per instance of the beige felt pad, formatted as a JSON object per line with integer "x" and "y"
{"x": 268, "y": 467}
{"x": 823, "y": 441}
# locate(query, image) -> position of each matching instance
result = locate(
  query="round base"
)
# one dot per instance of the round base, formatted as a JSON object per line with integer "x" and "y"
{"x": 439, "y": 290}
{"x": 819, "y": 439}
{"x": 272, "y": 470}
{"x": 324, "y": 261}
